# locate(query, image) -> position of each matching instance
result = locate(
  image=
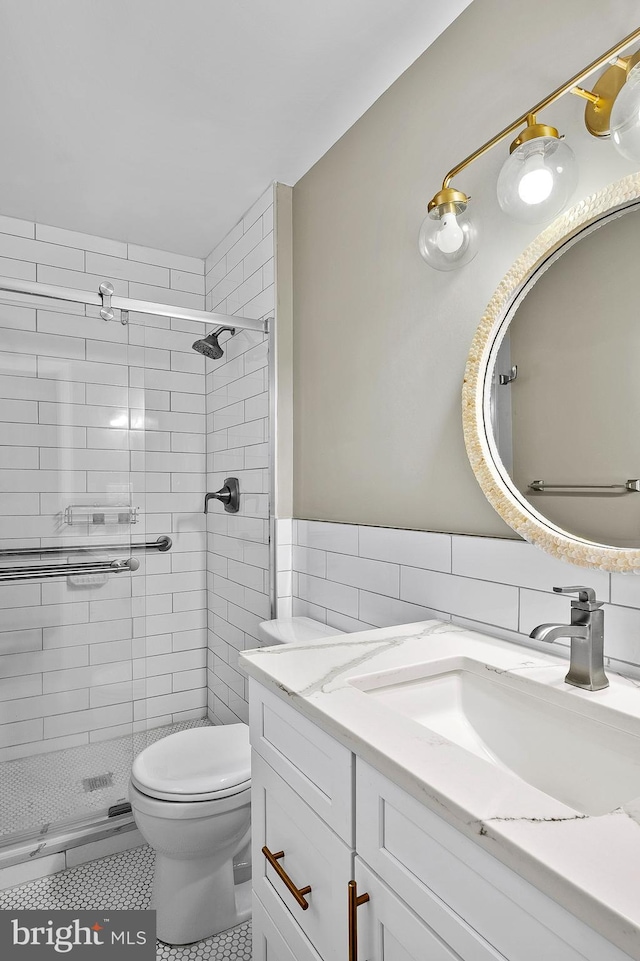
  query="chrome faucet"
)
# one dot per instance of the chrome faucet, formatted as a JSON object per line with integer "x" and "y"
{"x": 586, "y": 631}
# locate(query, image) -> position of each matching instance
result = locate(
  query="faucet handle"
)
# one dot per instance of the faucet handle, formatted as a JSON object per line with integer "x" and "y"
{"x": 584, "y": 593}
{"x": 586, "y": 597}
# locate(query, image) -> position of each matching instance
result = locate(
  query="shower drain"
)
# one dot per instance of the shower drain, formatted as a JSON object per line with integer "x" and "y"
{"x": 98, "y": 782}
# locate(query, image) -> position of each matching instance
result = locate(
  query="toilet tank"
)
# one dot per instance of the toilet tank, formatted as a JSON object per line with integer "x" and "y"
{"x": 289, "y": 630}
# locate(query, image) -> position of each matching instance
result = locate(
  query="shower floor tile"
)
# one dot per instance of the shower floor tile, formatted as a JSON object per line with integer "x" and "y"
{"x": 122, "y": 882}
{"x": 47, "y": 788}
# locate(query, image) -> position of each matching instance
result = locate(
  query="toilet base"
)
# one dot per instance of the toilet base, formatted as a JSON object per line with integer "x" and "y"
{"x": 195, "y": 900}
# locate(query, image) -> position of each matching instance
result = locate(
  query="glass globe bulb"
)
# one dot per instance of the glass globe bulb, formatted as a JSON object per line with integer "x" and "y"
{"x": 448, "y": 238}
{"x": 535, "y": 185}
{"x": 625, "y": 117}
{"x": 537, "y": 180}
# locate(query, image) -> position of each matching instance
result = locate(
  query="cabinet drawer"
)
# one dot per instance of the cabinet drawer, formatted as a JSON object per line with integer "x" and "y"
{"x": 318, "y": 768}
{"x": 313, "y": 855}
{"x": 279, "y": 938}
{"x": 432, "y": 866}
{"x": 389, "y": 931}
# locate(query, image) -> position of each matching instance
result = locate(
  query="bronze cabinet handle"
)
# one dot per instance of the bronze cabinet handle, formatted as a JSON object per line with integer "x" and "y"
{"x": 355, "y": 900}
{"x": 298, "y": 893}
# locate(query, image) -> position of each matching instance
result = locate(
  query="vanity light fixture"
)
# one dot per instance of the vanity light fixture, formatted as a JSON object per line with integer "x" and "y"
{"x": 448, "y": 237}
{"x": 625, "y": 117}
{"x": 540, "y": 175}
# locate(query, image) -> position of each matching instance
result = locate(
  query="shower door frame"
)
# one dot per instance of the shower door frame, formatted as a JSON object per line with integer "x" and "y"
{"x": 77, "y": 296}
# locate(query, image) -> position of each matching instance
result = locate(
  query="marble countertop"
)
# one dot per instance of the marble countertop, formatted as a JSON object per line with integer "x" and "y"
{"x": 590, "y": 864}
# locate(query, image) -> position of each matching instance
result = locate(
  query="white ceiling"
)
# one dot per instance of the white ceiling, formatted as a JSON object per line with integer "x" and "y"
{"x": 161, "y": 121}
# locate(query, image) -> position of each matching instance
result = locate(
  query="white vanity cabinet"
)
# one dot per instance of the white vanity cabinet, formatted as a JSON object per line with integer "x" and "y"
{"x": 301, "y": 809}
{"x": 311, "y": 857}
{"x": 434, "y": 894}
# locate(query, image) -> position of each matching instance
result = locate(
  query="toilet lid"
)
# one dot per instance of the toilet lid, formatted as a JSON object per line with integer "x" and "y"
{"x": 198, "y": 764}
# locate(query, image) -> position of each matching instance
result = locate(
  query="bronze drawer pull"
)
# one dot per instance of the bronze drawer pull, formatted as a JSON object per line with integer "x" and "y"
{"x": 298, "y": 893}
{"x": 355, "y": 900}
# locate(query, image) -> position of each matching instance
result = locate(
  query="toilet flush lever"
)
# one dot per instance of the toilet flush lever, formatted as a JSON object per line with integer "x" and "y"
{"x": 229, "y": 495}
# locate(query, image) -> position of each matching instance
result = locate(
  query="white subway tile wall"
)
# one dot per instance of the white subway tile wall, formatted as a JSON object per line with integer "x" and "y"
{"x": 100, "y": 413}
{"x": 238, "y": 280}
{"x": 355, "y": 578}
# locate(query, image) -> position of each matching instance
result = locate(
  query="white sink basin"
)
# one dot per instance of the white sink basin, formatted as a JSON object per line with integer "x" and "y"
{"x": 554, "y": 740}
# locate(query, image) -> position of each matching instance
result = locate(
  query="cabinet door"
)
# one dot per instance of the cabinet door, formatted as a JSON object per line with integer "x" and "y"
{"x": 455, "y": 886}
{"x": 278, "y": 939}
{"x": 389, "y": 931}
{"x": 313, "y": 856}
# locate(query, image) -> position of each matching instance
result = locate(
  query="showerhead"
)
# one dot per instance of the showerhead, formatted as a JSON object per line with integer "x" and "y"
{"x": 209, "y": 345}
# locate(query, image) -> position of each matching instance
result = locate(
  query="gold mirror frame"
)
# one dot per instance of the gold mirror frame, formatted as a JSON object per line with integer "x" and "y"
{"x": 493, "y": 478}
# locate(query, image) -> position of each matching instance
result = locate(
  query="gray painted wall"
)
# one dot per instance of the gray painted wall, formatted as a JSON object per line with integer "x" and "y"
{"x": 380, "y": 339}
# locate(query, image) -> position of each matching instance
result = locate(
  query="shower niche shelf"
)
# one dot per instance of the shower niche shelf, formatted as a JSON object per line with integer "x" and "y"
{"x": 100, "y": 515}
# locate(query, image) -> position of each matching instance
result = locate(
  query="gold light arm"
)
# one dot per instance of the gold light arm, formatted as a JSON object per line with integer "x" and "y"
{"x": 618, "y": 62}
{"x": 567, "y": 87}
{"x": 586, "y": 95}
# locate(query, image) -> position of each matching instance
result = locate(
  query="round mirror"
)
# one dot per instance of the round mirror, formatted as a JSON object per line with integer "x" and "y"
{"x": 551, "y": 397}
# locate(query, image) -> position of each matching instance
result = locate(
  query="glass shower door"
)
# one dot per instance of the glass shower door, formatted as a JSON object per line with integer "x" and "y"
{"x": 67, "y": 507}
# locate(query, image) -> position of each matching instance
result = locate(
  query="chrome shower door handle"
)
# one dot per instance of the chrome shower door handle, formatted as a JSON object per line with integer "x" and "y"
{"x": 229, "y": 495}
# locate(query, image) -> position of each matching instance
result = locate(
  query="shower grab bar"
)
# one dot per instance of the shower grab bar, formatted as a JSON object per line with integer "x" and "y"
{"x": 66, "y": 570}
{"x": 540, "y": 487}
{"x": 162, "y": 544}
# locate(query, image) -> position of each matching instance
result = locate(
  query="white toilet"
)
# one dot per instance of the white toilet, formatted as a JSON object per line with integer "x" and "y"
{"x": 191, "y": 800}
{"x": 190, "y": 796}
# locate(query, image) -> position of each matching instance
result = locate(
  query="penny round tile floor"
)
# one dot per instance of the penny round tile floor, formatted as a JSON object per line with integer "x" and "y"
{"x": 120, "y": 882}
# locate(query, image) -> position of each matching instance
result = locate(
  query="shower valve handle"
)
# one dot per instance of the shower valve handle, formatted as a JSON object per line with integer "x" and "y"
{"x": 229, "y": 495}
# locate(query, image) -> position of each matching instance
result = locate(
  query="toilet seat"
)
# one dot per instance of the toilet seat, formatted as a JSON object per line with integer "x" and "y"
{"x": 199, "y": 764}
{"x": 177, "y": 809}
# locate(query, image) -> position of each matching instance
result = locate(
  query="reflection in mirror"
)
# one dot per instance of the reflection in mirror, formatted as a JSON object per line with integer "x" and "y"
{"x": 568, "y": 421}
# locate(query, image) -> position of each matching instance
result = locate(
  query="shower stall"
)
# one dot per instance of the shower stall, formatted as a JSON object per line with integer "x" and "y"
{"x": 106, "y": 424}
